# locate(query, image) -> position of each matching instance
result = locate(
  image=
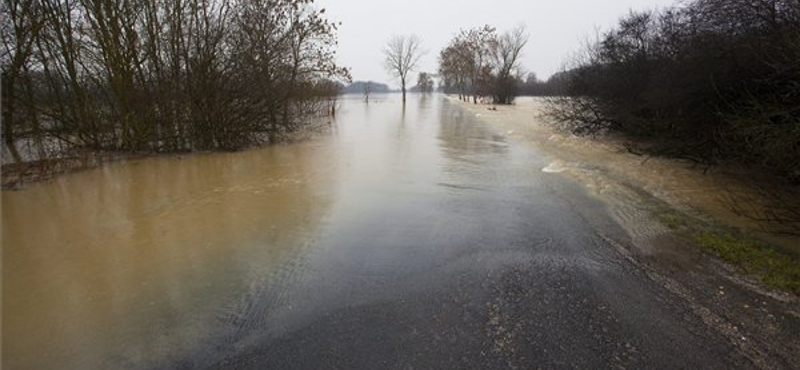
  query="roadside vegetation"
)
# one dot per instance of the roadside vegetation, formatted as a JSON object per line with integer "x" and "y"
{"x": 752, "y": 256}
{"x": 152, "y": 76}
{"x": 709, "y": 81}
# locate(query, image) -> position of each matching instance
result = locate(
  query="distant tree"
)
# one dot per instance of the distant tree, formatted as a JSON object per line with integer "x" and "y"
{"x": 480, "y": 63}
{"x": 507, "y": 51}
{"x": 456, "y": 67}
{"x": 367, "y": 90}
{"x": 402, "y": 56}
{"x": 531, "y": 79}
{"x": 359, "y": 87}
{"x": 480, "y": 43}
{"x": 425, "y": 82}
{"x": 533, "y": 86}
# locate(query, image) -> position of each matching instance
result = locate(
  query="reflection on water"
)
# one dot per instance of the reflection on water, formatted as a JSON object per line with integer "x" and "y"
{"x": 149, "y": 263}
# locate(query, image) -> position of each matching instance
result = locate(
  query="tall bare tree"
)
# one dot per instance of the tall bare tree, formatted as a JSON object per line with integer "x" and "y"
{"x": 402, "y": 56}
{"x": 507, "y": 52}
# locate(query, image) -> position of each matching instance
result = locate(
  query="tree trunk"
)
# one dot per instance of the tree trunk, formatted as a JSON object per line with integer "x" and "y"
{"x": 403, "y": 87}
{"x": 8, "y": 115}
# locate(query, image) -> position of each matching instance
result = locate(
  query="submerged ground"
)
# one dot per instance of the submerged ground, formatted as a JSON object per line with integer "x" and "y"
{"x": 406, "y": 237}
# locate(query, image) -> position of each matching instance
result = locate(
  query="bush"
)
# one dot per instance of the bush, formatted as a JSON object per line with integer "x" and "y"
{"x": 711, "y": 80}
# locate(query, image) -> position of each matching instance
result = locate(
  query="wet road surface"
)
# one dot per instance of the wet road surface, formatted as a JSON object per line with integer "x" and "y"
{"x": 406, "y": 238}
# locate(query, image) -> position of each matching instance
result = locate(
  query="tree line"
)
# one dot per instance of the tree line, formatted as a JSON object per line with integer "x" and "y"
{"x": 163, "y": 75}
{"x": 554, "y": 86}
{"x": 479, "y": 63}
{"x": 710, "y": 80}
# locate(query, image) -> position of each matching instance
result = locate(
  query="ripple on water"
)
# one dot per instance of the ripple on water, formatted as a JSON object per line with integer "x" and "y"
{"x": 557, "y": 166}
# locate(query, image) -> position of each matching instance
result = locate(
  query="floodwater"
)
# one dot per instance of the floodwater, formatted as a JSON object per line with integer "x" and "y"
{"x": 404, "y": 236}
{"x": 722, "y": 194}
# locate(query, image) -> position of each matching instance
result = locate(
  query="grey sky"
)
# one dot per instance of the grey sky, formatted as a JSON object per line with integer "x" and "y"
{"x": 556, "y": 27}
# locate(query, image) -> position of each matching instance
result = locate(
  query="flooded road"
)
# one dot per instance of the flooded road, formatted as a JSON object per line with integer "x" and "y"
{"x": 413, "y": 237}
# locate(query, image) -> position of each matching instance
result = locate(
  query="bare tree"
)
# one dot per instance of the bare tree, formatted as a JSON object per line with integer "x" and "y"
{"x": 507, "y": 51}
{"x": 425, "y": 82}
{"x": 21, "y": 24}
{"x": 480, "y": 44}
{"x": 456, "y": 63}
{"x": 367, "y": 91}
{"x": 402, "y": 56}
{"x": 484, "y": 63}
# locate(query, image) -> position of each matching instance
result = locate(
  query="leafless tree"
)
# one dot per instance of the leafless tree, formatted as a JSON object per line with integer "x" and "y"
{"x": 425, "y": 82}
{"x": 163, "y": 76}
{"x": 21, "y": 23}
{"x": 507, "y": 52}
{"x": 402, "y": 55}
{"x": 480, "y": 63}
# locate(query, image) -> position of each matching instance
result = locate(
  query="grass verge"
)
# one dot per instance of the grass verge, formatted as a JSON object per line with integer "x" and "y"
{"x": 752, "y": 256}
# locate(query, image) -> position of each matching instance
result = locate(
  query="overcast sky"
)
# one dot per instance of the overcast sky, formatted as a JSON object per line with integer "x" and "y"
{"x": 556, "y": 27}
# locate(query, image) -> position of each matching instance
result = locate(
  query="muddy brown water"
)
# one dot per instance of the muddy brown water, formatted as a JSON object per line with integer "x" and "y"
{"x": 111, "y": 261}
